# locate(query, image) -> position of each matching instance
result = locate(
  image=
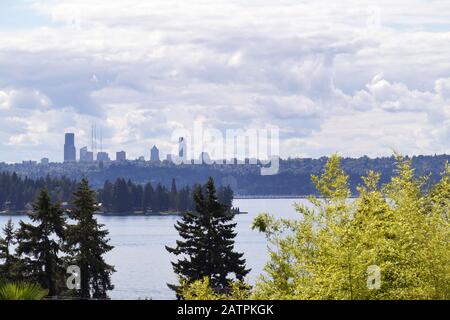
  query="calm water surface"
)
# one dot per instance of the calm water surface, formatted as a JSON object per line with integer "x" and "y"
{"x": 143, "y": 265}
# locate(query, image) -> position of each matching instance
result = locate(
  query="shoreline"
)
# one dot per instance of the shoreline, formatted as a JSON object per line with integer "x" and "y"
{"x": 105, "y": 214}
{"x": 111, "y": 214}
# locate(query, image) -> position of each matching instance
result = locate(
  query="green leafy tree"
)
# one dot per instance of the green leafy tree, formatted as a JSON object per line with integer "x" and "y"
{"x": 207, "y": 244}
{"x": 40, "y": 244}
{"x": 202, "y": 290}
{"x": 87, "y": 243}
{"x": 326, "y": 253}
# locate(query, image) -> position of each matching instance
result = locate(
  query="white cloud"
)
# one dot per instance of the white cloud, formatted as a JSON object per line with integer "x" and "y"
{"x": 25, "y": 99}
{"x": 354, "y": 76}
{"x": 442, "y": 87}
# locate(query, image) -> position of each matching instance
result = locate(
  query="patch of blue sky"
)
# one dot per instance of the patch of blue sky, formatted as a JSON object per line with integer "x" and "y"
{"x": 18, "y": 14}
{"x": 425, "y": 27}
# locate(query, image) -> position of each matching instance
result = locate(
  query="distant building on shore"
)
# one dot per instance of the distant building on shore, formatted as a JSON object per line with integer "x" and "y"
{"x": 70, "y": 153}
{"x": 182, "y": 148}
{"x": 103, "y": 156}
{"x": 85, "y": 155}
{"x": 29, "y": 163}
{"x": 121, "y": 156}
{"x": 154, "y": 154}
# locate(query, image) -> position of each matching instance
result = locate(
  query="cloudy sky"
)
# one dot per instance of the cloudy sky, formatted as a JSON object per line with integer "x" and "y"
{"x": 358, "y": 77}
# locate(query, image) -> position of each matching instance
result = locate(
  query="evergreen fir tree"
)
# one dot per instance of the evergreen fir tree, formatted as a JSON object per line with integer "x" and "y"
{"x": 161, "y": 199}
{"x": 184, "y": 199}
{"x": 121, "y": 197}
{"x": 147, "y": 197}
{"x": 208, "y": 243}
{"x": 7, "y": 258}
{"x": 107, "y": 195}
{"x": 226, "y": 195}
{"x": 87, "y": 243}
{"x": 137, "y": 193}
{"x": 40, "y": 244}
{"x": 173, "y": 195}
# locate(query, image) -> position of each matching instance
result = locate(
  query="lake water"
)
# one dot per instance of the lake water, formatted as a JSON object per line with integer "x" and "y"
{"x": 143, "y": 265}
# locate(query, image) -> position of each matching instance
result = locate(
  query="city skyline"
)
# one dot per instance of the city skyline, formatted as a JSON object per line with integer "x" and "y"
{"x": 86, "y": 155}
{"x": 356, "y": 78}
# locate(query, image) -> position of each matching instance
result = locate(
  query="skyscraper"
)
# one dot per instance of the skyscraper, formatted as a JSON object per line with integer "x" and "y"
{"x": 121, "y": 156}
{"x": 70, "y": 153}
{"x": 182, "y": 149}
{"x": 85, "y": 155}
{"x": 154, "y": 154}
{"x": 103, "y": 156}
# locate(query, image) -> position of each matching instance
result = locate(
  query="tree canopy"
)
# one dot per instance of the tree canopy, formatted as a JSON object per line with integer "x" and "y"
{"x": 400, "y": 228}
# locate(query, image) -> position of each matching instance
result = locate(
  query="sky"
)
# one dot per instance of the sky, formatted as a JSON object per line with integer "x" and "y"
{"x": 354, "y": 77}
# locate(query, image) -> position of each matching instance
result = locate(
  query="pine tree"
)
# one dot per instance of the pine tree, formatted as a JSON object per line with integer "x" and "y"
{"x": 161, "y": 199}
{"x": 121, "y": 197}
{"x": 147, "y": 197}
{"x": 40, "y": 244}
{"x": 107, "y": 195}
{"x": 87, "y": 243}
{"x": 184, "y": 199}
{"x": 208, "y": 243}
{"x": 6, "y": 256}
{"x": 226, "y": 195}
{"x": 173, "y": 198}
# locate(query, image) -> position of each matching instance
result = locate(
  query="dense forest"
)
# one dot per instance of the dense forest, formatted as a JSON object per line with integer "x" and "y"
{"x": 17, "y": 193}
{"x": 129, "y": 187}
{"x": 126, "y": 196}
{"x": 121, "y": 196}
{"x": 294, "y": 177}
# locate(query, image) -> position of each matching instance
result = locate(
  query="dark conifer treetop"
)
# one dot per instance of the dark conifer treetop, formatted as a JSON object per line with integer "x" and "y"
{"x": 207, "y": 244}
{"x": 48, "y": 245}
{"x": 40, "y": 244}
{"x": 87, "y": 242}
{"x": 7, "y": 241}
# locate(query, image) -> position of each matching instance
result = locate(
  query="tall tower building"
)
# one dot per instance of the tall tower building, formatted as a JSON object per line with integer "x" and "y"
{"x": 70, "y": 153}
{"x": 182, "y": 149}
{"x": 154, "y": 154}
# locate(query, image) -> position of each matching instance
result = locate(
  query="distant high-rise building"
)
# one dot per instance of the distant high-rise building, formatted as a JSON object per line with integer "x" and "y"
{"x": 29, "y": 163}
{"x": 85, "y": 155}
{"x": 141, "y": 159}
{"x": 103, "y": 156}
{"x": 205, "y": 158}
{"x": 182, "y": 149}
{"x": 45, "y": 161}
{"x": 121, "y": 156}
{"x": 169, "y": 158}
{"x": 70, "y": 153}
{"x": 154, "y": 154}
